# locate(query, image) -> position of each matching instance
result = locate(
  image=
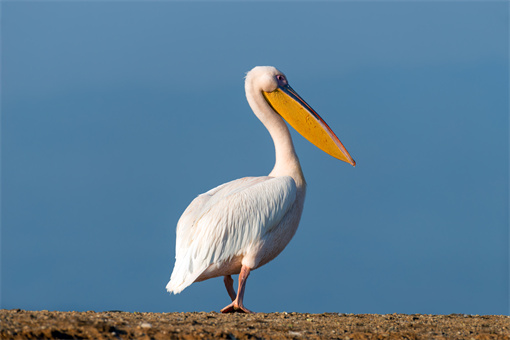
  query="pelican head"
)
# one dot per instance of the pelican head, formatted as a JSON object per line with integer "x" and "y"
{"x": 285, "y": 102}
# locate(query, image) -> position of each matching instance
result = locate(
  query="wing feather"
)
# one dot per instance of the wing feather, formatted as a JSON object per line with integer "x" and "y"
{"x": 228, "y": 221}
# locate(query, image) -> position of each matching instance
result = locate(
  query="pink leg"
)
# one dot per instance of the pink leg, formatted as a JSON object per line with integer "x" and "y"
{"x": 229, "y": 284}
{"x": 237, "y": 304}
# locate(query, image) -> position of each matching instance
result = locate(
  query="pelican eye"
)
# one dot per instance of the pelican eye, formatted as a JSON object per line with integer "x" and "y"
{"x": 281, "y": 79}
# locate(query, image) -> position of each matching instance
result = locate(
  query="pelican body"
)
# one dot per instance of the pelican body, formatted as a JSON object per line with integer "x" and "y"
{"x": 243, "y": 224}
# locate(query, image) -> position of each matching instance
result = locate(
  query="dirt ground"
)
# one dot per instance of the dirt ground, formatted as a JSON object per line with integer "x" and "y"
{"x": 20, "y": 324}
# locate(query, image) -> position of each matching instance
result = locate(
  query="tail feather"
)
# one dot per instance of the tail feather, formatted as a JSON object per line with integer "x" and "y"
{"x": 182, "y": 277}
{"x": 178, "y": 285}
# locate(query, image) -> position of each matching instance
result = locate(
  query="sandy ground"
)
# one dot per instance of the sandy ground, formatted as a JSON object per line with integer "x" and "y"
{"x": 20, "y": 324}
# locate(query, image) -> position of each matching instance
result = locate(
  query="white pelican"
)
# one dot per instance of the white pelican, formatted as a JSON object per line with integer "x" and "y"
{"x": 242, "y": 225}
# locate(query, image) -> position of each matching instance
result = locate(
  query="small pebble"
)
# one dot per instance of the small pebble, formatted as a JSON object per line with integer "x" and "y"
{"x": 145, "y": 325}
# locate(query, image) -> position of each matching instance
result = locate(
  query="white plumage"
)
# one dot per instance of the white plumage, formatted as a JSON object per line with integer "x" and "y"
{"x": 235, "y": 221}
{"x": 243, "y": 224}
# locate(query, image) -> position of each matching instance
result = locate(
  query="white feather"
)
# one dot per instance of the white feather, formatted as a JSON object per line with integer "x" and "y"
{"x": 230, "y": 225}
